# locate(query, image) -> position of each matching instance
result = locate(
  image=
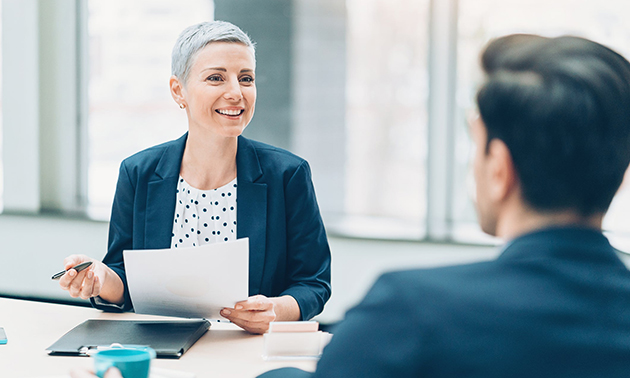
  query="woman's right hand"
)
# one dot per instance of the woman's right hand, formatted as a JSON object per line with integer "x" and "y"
{"x": 87, "y": 283}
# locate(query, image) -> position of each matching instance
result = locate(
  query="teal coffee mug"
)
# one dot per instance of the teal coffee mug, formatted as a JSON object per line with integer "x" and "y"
{"x": 133, "y": 362}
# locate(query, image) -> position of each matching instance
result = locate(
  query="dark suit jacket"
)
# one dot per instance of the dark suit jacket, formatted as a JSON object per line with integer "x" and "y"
{"x": 556, "y": 303}
{"x": 277, "y": 210}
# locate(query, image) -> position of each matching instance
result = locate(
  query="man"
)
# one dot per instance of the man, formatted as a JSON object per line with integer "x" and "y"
{"x": 552, "y": 145}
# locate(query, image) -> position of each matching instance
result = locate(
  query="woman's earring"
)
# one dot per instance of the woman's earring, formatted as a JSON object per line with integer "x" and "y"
{"x": 182, "y": 106}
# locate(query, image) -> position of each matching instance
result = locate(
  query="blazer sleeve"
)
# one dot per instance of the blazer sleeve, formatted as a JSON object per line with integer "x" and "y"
{"x": 308, "y": 254}
{"x": 120, "y": 236}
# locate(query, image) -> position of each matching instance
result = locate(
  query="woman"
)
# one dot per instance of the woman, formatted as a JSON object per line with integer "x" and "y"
{"x": 184, "y": 193}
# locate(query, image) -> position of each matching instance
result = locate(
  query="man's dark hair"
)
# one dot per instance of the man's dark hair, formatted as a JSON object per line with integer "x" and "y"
{"x": 562, "y": 107}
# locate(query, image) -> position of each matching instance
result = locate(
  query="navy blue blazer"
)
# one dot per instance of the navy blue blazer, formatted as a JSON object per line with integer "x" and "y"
{"x": 277, "y": 210}
{"x": 556, "y": 303}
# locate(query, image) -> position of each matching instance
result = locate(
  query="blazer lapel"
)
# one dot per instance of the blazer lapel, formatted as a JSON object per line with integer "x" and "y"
{"x": 251, "y": 212}
{"x": 161, "y": 197}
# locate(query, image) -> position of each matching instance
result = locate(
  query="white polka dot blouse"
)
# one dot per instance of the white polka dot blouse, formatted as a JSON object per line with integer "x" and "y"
{"x": 204, "y": 216}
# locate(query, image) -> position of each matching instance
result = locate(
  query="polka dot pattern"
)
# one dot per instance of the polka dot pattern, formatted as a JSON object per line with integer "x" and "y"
{"x": 209, "y": 216}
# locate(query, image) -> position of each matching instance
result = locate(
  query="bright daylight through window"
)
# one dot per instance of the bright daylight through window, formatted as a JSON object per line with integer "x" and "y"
{"x": 130, "y": 105}
{"x": 386, "y": 118}
{"x": 387, "y": 86}
{"x": 480, "y": 20}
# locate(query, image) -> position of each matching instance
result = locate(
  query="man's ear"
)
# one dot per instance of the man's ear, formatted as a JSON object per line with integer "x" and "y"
{"x": 501, "y": 171}
{"x": 177, "y": 91}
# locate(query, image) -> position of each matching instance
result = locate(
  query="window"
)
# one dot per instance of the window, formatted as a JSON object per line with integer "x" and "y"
{"x": 386, "y": 118}
{"x": 479, "y": 21}
{"x": 386, "y": 77}
{"x": 130, "y": 106}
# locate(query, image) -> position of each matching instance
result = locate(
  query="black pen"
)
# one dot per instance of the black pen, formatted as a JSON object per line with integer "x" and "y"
{"x": 78, "y": 268}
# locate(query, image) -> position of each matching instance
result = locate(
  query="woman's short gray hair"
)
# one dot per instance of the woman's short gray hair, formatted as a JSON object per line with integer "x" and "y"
{"x": 196, "y": 37}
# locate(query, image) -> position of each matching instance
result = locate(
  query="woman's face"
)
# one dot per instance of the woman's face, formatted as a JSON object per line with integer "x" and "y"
{"x": 220, "y": 94}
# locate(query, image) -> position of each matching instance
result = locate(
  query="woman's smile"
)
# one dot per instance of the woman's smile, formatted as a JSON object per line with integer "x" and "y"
{"x": 231, "y": 113}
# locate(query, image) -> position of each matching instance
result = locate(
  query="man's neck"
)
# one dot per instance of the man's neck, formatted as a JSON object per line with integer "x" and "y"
{"x": 517, "y": 223}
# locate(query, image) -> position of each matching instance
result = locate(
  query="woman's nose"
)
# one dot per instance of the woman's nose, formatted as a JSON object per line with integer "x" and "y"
{"x": 233, "y": 90}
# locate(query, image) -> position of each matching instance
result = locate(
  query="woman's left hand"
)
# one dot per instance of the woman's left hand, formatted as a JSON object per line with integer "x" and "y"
{"x": 253, "y": 314}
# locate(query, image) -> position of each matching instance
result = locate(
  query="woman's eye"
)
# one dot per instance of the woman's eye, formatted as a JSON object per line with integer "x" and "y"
{"x": 214, "y": 78}
{"x": 247, "y": 79}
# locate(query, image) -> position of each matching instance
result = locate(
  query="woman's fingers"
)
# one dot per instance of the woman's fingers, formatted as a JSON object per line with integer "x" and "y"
{"x": 84, "y": 284}
{"x": 253, "y": 327}
{"x": 253, "y": 314}
{"x": 72, "y": 281}
{"x": 255, "y": 303}
{"x": 77, "y": 282}
{"x": 66, "y": 280}
{"x": 74, "y": 260}
{"x": 88, "y": 285}
{"x": 71, "y": 261}
{"x": 96, "y": 289}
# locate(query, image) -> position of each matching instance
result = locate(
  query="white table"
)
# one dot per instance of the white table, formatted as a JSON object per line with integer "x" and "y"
{"x": 31, "y": 327}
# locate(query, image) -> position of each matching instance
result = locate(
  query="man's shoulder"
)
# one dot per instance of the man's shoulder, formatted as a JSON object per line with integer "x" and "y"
{"x": 439, "y": 289}
{"x": 440, "y": 276}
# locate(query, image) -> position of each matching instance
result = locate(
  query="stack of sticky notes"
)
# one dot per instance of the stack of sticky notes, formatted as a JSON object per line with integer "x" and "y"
{"x": 294, "y": 340}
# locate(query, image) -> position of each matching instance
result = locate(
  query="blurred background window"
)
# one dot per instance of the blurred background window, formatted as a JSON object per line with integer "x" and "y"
{"x": 386, "y": 118}
{"x": 130, "y": 105}
{"x": 384, "y": 169}
{"x": 604, "y": 21}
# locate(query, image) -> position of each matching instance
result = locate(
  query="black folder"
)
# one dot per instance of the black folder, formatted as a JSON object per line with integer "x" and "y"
{"x": 169, "y": 339}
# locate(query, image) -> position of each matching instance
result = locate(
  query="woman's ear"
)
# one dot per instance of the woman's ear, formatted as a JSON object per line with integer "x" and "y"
{"x": 177, "y": 91}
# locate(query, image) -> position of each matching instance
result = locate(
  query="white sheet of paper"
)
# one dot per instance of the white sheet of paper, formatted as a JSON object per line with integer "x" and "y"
{"x": 188, "y": 282}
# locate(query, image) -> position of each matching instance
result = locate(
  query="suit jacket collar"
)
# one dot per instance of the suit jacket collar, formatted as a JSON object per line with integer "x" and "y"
{"x": 171, "y": 161}
{"x": 247, "y": 163}
{"x": 566, "y": 243}
{"x": 161, "y": 196}
{"x": 249, "y": 169}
